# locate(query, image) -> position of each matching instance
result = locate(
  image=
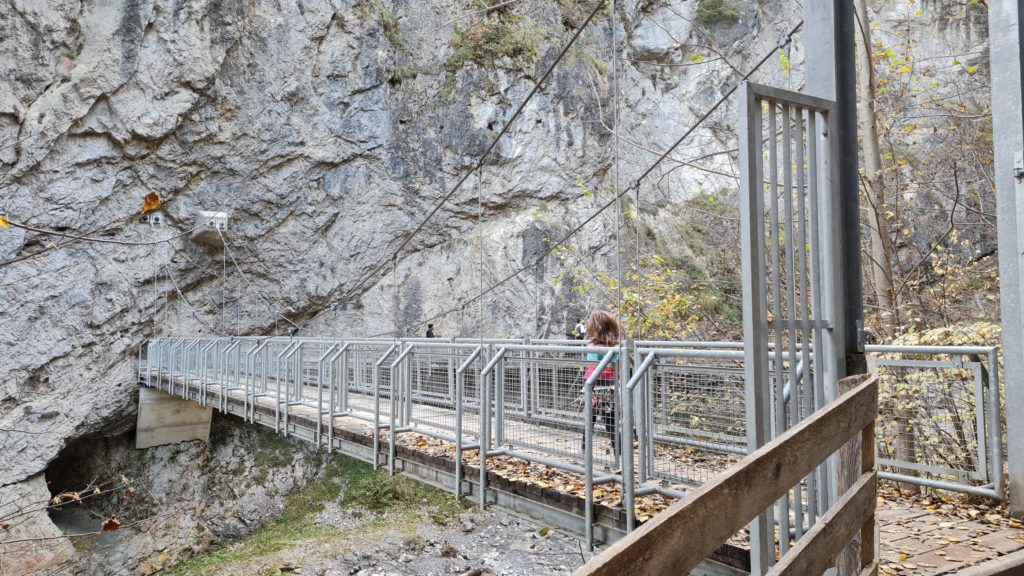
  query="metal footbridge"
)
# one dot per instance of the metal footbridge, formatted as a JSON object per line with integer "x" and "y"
{"x": 525, "y": 401}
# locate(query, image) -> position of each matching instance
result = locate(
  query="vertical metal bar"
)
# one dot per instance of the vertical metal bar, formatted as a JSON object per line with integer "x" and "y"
{"x": 1006, "y": 52}
{"x": 803, "y": 394}
{"x": 344, "y": 382}
{"x": 627, "y": 460}
{"x": 754, "y": 319}
{"x": 621, "y": 434}
{"x": 277, "y": 404}
{"x": 459, "y": 381}
{"x": 334, "y": 383}
{"x": 499, "y": 409}
{"x": 294, "y": 363}
{"x": 499, "y": 382}
{"x": 831, "y": 74}
{"x": 588, "y": 462}
{"x": 149, "y": 364}
{"x": 485, "y": 436}
{"x": 775, "y": 306}
{"x": 829, "y": 349}
{"x": 396, "y": 385}
{"x": 994, "y": 431}
{"x": 789, "y": 310}
{"x": 376, "y": 415}
{"x": 980, "y": 428}
{"x": 647, "y": 449}
{"x": 817, "y": 388}
{"x": 451, "y": 378}
{"x": 405, "y": 390}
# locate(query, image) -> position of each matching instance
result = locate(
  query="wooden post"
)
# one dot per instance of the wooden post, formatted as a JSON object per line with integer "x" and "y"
{"x": 856, "y": 457}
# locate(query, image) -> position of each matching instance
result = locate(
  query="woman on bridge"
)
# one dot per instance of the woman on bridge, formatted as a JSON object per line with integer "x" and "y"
{"x": 603, "y": 330}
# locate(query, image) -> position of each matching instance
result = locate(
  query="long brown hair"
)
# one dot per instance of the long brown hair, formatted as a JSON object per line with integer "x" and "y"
{"x": 602, "y": 328}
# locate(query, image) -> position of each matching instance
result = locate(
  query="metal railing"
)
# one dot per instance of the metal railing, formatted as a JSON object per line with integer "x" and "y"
{"x": 567, "y": 406}
{"x": 939, "y": 417}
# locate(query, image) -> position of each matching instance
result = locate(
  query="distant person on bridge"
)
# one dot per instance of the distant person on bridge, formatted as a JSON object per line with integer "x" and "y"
{"x": 580, "y": 331}
{"x": 430, "y": 331}
{"x": 603, "y": 330}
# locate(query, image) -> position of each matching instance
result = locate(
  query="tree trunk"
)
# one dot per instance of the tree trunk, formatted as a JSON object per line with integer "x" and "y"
{"x": 874, "y": 187}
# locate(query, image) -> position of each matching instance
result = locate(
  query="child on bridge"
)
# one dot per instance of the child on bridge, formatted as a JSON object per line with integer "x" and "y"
{"x": 603, "y": 330}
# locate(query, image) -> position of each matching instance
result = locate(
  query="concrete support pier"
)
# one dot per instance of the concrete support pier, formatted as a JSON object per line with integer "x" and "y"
{"x": 167, "y": 419}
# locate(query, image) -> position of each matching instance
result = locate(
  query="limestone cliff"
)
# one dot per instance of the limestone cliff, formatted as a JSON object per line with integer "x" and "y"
{"x": 327, "y": 130}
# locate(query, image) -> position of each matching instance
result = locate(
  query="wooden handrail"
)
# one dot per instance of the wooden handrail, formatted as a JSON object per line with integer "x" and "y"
{"x": 678, "y": 539}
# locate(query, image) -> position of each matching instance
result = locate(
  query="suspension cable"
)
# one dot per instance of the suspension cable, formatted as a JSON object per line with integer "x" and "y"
{"x": 480, "y": 252}
{"x": 480, "y": 161}
{"x": 615, "y": 171}
{"x": 635, "y": 184}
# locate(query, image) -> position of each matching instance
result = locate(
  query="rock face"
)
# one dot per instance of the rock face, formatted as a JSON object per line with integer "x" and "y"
{"x": 181, "y": 498}
{"x": 31, "y": 542}
{"x": 328, "y": 130}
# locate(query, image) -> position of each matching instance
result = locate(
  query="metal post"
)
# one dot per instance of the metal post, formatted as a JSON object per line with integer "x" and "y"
{"x": 995, "y": 437}
{"x": 832, "y": 74}
{"x": 588, "y": 460}
{"x": 1006, "y": 55}
{"x": 376, "y": 405}
{"x": 499, "y": 407}
{"x": 628, "y": 460}
{"x": 485, "y": 432}
{"x": 620, "y": 434}
{"x": 755, "y": 323}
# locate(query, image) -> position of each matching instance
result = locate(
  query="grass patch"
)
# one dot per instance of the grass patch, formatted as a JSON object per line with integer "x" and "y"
{"x": 272, "y": 452}
{"x": 711, "y": 12}
{"x": 389, "y": 24}
{"x": 346, "y": 480}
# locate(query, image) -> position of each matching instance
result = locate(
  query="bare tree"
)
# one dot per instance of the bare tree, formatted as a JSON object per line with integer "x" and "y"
{"x": 880, "y": 252}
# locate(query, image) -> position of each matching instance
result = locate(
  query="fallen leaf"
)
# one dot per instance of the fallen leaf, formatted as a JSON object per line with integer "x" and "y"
{"x": 150, "y": 202}
{"x": 110, "y": 524}
{"x": 129, "y": 494}
{"x": 543, "y": 532}
{"x": 67, "y": 497}
{"x": 4, "y": 223}
{"x": 5, "y": 525}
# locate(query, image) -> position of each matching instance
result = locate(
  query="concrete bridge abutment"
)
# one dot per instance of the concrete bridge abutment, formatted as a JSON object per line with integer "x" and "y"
{"x": 167, "y": 419}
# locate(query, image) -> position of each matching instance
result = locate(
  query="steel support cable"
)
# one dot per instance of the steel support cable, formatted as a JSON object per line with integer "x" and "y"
{"x": 480, "y": 162}
{"x": 634, "y": 185}
{"x": 188, "y": 303}
{"x": 249, "y": 285}
{"x": 68, "y": 239}
{"x": 480, "y": 250}
{"x": 615, "y": 170}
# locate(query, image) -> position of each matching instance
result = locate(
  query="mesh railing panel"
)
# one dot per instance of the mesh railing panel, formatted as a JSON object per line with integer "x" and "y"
{"x": 544, "y": 410}
{"x": 931, "y": 417}
{"x": 698, "y": 418}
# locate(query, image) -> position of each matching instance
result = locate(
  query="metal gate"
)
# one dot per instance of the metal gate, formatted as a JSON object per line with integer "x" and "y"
{"x": 788, "y": 239}
{"x": 939, "y": 417}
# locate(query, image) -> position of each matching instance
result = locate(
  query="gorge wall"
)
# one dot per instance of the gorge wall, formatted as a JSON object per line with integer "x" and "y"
{"x": 328, "y": 129}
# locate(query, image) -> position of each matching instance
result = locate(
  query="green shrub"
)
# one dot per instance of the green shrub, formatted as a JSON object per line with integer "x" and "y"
{"x": 389, "y": 24}
{"x": 710, "y": 12}
{"x": 486, "y": 42}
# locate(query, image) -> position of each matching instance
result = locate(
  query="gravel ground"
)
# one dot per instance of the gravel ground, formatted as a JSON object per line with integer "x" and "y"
{"x": 396, "y": 542}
